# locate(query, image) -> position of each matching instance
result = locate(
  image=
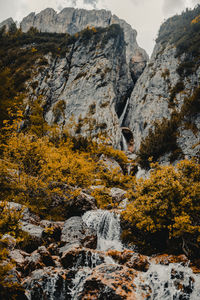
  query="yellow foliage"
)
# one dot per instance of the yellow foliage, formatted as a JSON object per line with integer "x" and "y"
{"x": 103, "y": 198}
{"x": 196, "y": 20}
{"x": 33, "y": 50}
{"x": 168, "y": 201}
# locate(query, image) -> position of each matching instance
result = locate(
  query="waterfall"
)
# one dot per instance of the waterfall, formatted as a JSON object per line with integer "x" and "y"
{"x": 121, "y": 119}
{"x": 107, "y": 225}
{"x": 168, "y": 282}
{"x": 78, "y": 282}
{"x": 124, "y": 143}
{"x": 174, "y": 281}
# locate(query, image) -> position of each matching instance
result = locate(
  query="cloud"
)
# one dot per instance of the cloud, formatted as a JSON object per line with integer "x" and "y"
{"x": 173, "y": 6}
{"x": 7, "y": 9}
{"x": 92, "y": 2}
{"x": 195, "y": 2}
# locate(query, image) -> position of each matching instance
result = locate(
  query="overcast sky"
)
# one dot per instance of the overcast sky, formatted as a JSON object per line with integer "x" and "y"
{"x": 145, "y": 16}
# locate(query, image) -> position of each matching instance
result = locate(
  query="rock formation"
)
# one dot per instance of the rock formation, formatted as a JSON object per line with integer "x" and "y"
{"x": 72, "y": 20}
{"x": 94, "y": 79}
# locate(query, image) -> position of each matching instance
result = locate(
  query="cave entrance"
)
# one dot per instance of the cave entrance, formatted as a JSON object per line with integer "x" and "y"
{"x": 128, "y": 139}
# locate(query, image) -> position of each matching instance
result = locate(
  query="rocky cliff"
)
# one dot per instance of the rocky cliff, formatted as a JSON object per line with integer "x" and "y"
{"x": 92, "y": 81}
{"x": 99, "y": 69}
{"x": 74, "y": 20}
{"x": 164, "y": 109}
{"x": 95, "y": 77}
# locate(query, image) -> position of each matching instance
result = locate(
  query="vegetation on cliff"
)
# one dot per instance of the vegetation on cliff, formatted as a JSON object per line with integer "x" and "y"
{"x": 183, "y": 31}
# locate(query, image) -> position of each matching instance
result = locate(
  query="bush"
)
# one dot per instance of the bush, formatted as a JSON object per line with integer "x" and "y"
{"x": 160, "y": 140}
{"x": 164, "y": 212}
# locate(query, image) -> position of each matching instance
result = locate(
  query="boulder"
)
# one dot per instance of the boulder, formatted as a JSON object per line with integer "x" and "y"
{"x": 33, "y": 230}
{"x": 110, "y": 164}
{"x": 38, "y": 259}
{"x": 110, "y": 282}
{"x": 9, "y": 240}
{"x": 77, "y": 257}
{"x": 130, "y": 259}
{"x": 76, "y": 231}
{"x": 26, "y": 215}
{"x": 18, "y": 256}
{"x": 117, "y": 195}
{"x": 34, "y": 237}
{"x": 79, "y": 205}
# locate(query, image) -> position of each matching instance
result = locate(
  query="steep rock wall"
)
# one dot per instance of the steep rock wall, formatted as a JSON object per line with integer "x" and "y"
{"x": 167, "y": 93}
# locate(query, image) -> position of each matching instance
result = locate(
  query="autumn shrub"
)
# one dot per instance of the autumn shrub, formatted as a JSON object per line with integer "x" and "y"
{"x": 103, "y": 198}
{"x": 33, "y": 163}
{"x": 160, "y": 140}
{"x": 164, "y": 209}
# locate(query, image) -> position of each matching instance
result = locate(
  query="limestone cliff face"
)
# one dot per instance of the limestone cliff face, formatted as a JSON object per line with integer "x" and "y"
{"x": 92, "y": 82}
{"x": 169, "y": 82}
{"x": 7, "y": 23}
{"x": 72, "y": 20}
{"x": 94, "y": 79}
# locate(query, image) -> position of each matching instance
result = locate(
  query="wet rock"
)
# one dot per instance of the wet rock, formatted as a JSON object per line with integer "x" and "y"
{"x": 76, "y": 231}
{"x": 166, "y": 259}
{"x": 110, "y": 282}
{"x": 46, "y": 283}
{"x": 77, "y": 257}
{"x": 139, "y": 262}
{"x": 130, "y": 259}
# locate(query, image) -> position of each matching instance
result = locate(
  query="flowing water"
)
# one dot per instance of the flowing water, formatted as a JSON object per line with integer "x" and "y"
{"x": 160, "y": 282}
{"x": 107, "y": 225}
{"x": 121, "y": 119}
{"x": 124, "y": 144}
{"x": 172, "y": 282}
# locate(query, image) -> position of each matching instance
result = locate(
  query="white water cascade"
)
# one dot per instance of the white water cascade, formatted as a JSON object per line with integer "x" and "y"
{"x": 168, "y": 282}
{"x": 107, "y": 225}
{"x": 124, "y": 144}
{"x": 121, "y": 119}
{"x": 174, "y": 281}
